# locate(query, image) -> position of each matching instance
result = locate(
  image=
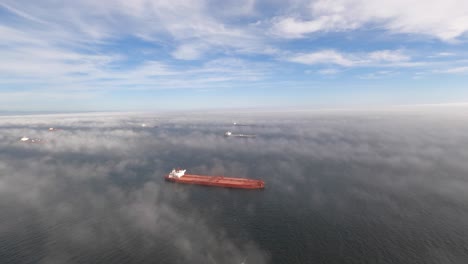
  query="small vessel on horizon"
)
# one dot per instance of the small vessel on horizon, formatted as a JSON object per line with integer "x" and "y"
{"x": 30, "y": 140}
{"x": 230, "y": 134}
{"x": 179, "y": 176}
{"x": 241, "y": 124}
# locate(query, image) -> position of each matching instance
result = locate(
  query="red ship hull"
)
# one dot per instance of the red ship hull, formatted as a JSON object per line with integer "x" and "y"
{"x": 219, "y": 181}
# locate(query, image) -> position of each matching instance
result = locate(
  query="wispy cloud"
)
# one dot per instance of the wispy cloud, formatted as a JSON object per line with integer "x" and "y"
{"x": 444, "y": 54}
{"x": 456, "y": 70}
{"x": 21, "y": 13}
{"x": 378, "y": 75}
{"x": 329, "y": 71}
{"x": 323, "y": 57}
{"x": 291, "y": 27}
{"x": 396, "y": 16}
{"x": 111, "y": 46}
{"x": 332, "y": 57}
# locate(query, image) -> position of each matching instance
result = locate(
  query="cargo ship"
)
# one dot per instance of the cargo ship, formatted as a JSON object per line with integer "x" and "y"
{"x": 31, "y": 140}
{"x": 178, "y": 175}
{"x": 230, "y": 134}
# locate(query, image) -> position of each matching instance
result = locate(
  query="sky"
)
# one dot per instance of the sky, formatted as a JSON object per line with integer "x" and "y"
{"x": 151, "y": 55}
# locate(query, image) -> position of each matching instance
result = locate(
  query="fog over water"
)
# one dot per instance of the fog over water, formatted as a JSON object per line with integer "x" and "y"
{"x": 380, "y": 186}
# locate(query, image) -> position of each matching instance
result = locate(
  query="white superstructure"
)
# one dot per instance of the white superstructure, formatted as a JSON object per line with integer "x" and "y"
{"x": 176, "y": 173}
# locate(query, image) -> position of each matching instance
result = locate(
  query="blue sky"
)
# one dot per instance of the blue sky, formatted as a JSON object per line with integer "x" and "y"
{"x": 148, "y": 55}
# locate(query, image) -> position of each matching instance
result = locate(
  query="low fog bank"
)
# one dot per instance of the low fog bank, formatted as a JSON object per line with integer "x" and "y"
{"x": 94, "y": 190}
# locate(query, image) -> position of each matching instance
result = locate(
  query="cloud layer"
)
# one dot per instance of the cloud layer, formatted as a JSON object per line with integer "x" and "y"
{"x": 338, "y": 184}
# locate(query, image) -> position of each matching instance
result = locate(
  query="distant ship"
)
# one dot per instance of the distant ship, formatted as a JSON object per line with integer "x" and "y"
{"x": 179, "y": 176}
{"x": 31, "y": 140}
{"x": 237, "y": 124}
{"x": 230, "y": 134}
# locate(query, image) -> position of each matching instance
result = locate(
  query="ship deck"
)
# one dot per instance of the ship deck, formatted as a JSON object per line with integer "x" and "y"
{"x": 220, "y": 181}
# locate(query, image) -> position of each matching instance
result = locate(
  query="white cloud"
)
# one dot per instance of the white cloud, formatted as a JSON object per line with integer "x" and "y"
{"x": 328, "y": 71}
{"x": 22, "y": 14}
{"x": 446, "y": 20}
{"x": 188, "y": 52}
{"x": 53, "y": 80}
{"x": 445, "y": 54}
{"x": 375, "y": 58}
{"x": 323, "y": 57}
{"x": 11, "y": 36}
{"x": 291, "y": 27}
{"x": 377, "y": 75}
{"x": 456, "y": 70}
{"x": 49, "y": 47}
{"x": 388, "y": 55}
{"x": 55, "y": 48}
{"x": 188, "y": 26}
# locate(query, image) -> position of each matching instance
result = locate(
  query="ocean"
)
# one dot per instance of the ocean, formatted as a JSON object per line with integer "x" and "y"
{"x": 380, "y": 186}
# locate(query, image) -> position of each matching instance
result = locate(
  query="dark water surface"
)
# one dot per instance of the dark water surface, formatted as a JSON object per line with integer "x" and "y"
{"x": 340, "y": 188}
